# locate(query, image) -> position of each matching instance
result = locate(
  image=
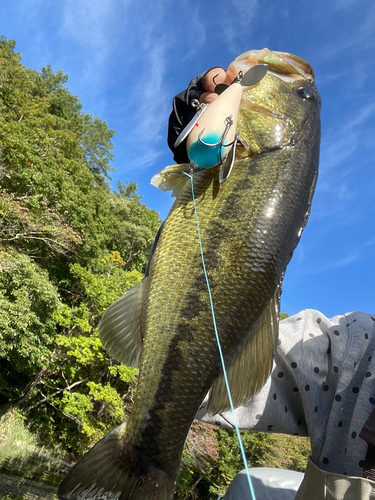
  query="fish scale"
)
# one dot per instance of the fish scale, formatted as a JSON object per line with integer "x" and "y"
{"x": 249, "y": 227}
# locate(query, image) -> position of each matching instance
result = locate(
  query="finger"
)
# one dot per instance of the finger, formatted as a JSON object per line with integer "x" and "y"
{"x": 208, "y": 97}
{"x": 213, "y": 77}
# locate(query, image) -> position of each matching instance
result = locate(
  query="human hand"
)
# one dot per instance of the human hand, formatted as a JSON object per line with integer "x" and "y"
{"x": 213, "y": 78}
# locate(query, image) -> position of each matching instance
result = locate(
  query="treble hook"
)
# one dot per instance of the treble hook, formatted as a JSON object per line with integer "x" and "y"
{"x": 226, "y": 166}
{"x": 228, "y": 124}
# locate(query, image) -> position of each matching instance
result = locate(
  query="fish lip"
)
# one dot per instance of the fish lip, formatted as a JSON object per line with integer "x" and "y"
{"x": 286, "y": 66}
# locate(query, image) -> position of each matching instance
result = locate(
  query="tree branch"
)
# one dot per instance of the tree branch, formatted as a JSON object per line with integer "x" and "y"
{"x": 132, "y": 256}
{"x": 33, "y": 384}
{"x": 47, "y": 398}
{"x": 75, "y": 419}
{"x": 46, "y": 240}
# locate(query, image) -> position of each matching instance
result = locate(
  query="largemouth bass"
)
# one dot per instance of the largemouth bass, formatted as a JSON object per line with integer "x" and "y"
{"x": 249, "y": 227}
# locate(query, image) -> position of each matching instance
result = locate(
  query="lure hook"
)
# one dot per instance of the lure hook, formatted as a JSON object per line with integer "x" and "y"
{"x": 223, "y": 175}
{"x": 228, "y": 123}
{"x": 209, "y": 144}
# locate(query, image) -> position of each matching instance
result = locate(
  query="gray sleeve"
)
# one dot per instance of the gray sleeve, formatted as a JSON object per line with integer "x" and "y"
{"x": 322, "y": 386}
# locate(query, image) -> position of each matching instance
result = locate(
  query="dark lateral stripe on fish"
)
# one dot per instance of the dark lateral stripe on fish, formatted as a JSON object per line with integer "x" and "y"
{"x": 164, "y": 394}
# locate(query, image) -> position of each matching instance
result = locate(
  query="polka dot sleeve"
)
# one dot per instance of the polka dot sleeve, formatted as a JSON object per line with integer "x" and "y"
{"x": 322, "y": 386}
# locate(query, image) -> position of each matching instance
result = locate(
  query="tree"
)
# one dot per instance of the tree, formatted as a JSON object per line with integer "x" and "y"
{"x": 69, "y": 246}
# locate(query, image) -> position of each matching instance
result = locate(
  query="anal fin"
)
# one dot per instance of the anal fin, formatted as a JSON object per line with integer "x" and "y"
{"x": 251, "y": 368}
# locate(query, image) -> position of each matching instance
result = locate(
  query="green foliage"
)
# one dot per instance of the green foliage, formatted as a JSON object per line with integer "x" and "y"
{"x": 69, "y": 247}
{"x": 283, "y": 316}
{"x": 27, "y": 329}
{"x": 256, "y": 447}
{"x": 7, "y": 497}
{"x": 13, "y": 430}
{"x": 44, "y": 174}
{"x": 126, "y": 373}
{"x": 18, "y": 441}
{"x": 288, "y": 452}
{"x": 97, "y": 390}
{"x": 102, "y": 281}
{"x": 23, "y": 456}
{"x": 135, "y": 227}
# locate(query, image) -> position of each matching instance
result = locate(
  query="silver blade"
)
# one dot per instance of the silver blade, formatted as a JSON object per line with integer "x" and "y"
{"x": 189, "y": 127}
{"x": 254, "y": 75}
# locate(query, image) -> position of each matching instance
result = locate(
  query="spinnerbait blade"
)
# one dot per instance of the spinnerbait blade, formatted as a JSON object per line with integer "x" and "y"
{"x": 189, "y": 127}
{"x": 254, "y": 75}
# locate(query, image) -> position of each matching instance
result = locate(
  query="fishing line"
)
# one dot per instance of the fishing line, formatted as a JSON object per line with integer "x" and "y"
{"x": 252, "y": 492}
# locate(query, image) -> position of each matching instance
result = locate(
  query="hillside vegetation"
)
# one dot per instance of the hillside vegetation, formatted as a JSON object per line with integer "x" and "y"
{"x": 69, "y": 246}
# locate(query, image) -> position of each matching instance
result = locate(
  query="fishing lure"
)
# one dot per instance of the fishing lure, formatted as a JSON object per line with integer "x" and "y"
{"x": 211, "y": 134}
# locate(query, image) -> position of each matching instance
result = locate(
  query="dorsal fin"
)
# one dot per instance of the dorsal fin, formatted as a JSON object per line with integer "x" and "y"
{"x": 171, "y": 178}
{"x": 120, "y": 329}
{"x": 250, "y": 370}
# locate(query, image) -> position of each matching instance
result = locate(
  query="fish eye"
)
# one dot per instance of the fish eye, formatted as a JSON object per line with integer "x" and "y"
{"x": 306, "y": 93}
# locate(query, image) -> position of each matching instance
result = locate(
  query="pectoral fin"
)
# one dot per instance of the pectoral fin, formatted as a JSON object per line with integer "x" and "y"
{"x": 120, "y": 327}
{"x": 171, "y": 178}
{"x": 250, "y": 370}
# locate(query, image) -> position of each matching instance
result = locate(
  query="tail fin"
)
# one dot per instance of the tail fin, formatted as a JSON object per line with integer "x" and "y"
{"x": 104, "y": 473}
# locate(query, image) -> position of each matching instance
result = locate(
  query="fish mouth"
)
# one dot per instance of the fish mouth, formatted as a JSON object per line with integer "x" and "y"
{"x": 286, "y": 66}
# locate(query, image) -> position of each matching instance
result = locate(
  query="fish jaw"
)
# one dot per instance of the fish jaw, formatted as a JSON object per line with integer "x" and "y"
{"x": 276, "y": 113}
{"x": 286, "y": 66}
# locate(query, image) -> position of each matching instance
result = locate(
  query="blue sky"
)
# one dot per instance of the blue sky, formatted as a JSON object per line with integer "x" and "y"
{"x": 126, "y": 60}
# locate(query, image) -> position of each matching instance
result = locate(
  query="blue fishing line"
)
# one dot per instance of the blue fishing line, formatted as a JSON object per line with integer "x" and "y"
{"x": 252, "y": 492}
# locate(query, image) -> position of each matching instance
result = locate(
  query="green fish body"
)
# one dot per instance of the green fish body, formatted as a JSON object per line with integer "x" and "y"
{"x": 249, "y": 227}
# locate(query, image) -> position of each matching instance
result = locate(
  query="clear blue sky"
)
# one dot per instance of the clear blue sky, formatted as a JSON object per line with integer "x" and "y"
{"x": 127, "y": 59}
